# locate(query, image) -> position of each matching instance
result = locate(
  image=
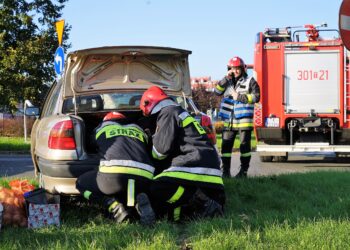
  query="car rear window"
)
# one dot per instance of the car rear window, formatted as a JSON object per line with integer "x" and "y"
{"x": 108, "y": 102}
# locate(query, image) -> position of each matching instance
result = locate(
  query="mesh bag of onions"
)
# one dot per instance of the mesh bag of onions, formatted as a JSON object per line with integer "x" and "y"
{"x": 14, "y": 213}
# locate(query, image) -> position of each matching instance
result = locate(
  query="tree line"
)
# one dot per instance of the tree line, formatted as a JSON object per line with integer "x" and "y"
{"x": 28, "y": 41}
{"x": 205, "y": 100}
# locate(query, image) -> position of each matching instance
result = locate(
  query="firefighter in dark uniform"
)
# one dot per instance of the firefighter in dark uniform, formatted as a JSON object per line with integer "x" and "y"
{"x": 237, "y": 110}
{"x": 192, "y": 185}
{"x": 125, "y": 171}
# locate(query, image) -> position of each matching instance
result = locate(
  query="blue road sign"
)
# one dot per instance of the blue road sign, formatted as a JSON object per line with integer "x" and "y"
{"x": 59, "y": 60}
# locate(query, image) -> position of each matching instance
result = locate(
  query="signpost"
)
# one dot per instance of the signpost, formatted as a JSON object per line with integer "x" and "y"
{"x": 26, "y": 104}
{"x": 344, "y": 22}
{"x": 59, "y": 54}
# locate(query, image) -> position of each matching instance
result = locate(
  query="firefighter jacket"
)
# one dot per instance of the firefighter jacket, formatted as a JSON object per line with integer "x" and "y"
{"x": 123, "y": 150}
{"x": 178, "y": 136}
{"x": 238, "y": 114}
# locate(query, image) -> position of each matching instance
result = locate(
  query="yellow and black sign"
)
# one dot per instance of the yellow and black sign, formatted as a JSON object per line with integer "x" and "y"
{"x": 59, "y": 30}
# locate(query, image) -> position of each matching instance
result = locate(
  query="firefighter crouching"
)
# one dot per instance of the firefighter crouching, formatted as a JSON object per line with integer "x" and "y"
{"x": 237, "y": 110}
{"x": 192, "y": 185}
{"x": 125, "y": 172}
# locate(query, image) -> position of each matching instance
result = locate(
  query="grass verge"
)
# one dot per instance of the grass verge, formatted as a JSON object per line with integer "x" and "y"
{"x": 14, "y": 144}
{"x": 298, "y": 211}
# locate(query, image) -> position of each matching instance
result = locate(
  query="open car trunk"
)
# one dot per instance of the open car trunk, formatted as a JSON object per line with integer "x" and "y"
{"x": 105, "y": 79}
{"x": 92, "y": 120}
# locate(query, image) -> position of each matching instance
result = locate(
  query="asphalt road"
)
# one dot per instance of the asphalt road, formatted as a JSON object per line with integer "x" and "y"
{"x": 22, "y": 166}
{"x": 297, "y": 163}
{"x": 16, "y": 166}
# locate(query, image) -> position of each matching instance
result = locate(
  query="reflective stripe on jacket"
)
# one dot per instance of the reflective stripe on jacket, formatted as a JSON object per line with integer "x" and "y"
{"x": 193, "y": 158}
{"x": 123, "y": 150}
{"x": 196, "y": 174}
{"x": 234, "y": 109}
{"x": 242, "y": 112}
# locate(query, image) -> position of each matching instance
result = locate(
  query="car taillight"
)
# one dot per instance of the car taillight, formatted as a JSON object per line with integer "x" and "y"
{"x": 206, "y": 121}
{"x": 62, "y": 136}
{"x": 208, "y": 126}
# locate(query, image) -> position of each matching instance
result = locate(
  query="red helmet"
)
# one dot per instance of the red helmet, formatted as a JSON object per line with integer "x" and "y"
{"x": 151, "y": 98}
{"x": 236, "y": 62}
{"x": 114, "y": 116}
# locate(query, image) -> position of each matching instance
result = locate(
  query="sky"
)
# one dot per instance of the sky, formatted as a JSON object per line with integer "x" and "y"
{"x": 214, "y": 31}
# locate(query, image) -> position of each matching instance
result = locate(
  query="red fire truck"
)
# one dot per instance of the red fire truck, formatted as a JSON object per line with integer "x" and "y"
{"x": 305, "y": 94}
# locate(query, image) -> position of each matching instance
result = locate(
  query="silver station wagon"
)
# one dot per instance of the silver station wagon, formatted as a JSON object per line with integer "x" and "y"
{"x": 97, "y": 81}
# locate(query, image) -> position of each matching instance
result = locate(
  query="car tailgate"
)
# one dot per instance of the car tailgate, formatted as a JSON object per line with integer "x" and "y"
{"x": 126, "y": 67}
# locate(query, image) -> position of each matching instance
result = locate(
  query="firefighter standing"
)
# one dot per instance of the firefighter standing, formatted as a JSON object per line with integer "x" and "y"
{"x": 192, "y": 185}
{"x": 237, "y": 110}
{"x": 125, "y": 171}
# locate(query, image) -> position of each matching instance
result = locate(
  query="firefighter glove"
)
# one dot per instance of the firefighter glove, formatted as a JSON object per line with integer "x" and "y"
{"x": 229, "y": 75}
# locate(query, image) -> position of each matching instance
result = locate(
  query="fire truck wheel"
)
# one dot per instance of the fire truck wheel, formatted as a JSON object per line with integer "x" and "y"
{"x": 342, "y": 158}
{"x": 266, "y": 158}
{"x": 281, "y": 158}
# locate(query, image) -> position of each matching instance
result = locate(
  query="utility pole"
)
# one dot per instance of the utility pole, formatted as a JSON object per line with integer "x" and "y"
{"x": 26, "y": 104}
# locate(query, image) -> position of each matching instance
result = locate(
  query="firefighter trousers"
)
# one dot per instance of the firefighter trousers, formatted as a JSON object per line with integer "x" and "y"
{"x": 102, "y": 187}
{"x": 173, "y": 200}
{"x": 228, "y": 138}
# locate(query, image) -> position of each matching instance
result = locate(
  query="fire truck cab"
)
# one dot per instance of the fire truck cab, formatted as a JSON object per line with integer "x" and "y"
{"x": 304, "y": 106}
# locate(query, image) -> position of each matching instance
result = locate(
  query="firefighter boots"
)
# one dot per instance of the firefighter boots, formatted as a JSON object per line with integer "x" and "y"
{"x": 226, "y": 167}
{"x": 204, "y": 206}
{"x": 244, "y": 167}
{"x": 241, "y": 174}
{"x": 118, "y": 212}
{"x": 145, "y": 210}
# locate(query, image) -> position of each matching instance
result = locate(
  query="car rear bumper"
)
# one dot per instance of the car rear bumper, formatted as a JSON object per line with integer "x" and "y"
{"x": 59, "y": 177}
{"x": 66, "y": 169}
{"x": 55, "y": 185}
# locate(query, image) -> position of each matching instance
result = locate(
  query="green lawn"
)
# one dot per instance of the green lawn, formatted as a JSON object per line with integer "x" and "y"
{"x": 298, "y": 211}
{"x": 14, "y": 144}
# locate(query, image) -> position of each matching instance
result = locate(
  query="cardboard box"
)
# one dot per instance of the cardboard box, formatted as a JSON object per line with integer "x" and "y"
{"x": 43, "y": 209}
